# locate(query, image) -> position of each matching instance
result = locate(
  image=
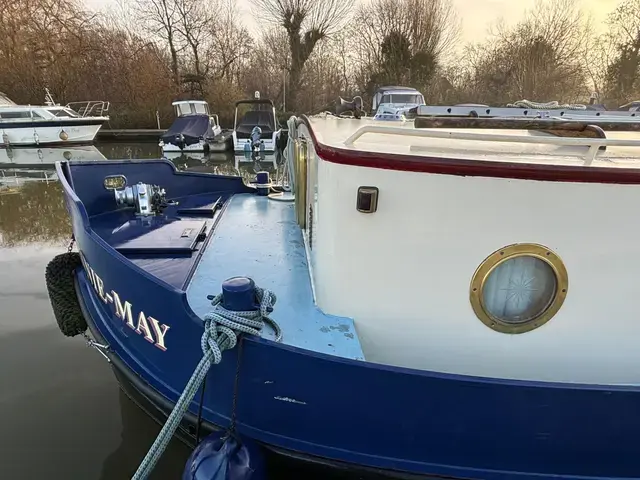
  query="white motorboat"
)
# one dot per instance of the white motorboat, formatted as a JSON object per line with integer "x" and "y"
{"x": 257, "y": 128}
{"x": 50, "y": 124}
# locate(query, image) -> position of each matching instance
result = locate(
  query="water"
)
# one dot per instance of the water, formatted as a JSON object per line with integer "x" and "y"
{"x": 61, "y": 410}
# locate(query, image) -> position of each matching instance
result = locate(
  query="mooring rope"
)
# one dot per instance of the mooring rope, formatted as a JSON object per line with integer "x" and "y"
{"x": 547, "y": 106}
{"x": 221, "y": 330}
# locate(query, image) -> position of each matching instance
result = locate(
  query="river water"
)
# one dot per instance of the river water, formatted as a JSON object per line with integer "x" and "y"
{"x": 62, "y": 413}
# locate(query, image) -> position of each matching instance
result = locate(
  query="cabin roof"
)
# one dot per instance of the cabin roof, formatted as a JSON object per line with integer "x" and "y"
{"x": 394, "y": 87}
{"x": 181, "y": 102}
{"x": 266, "y": 101}
{"x": 333, "y": 132}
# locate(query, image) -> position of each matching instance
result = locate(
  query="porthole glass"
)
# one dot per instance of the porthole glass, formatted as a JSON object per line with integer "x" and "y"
{"x": 519, "y": 288}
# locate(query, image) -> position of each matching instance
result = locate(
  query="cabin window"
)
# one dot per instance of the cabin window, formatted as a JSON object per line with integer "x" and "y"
{"x": 404, "y": 98}
{"x": 183, "y": 109}
{"x": 519, "y": 288}
{"x": 200, "y": 108}
{"x": 21, "y": 114}
{"x": 385, "y": 99}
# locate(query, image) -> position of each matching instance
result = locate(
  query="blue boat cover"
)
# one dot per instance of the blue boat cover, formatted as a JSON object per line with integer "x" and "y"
{"x": 192, "y": 128}
{"x": 220, "y": 458}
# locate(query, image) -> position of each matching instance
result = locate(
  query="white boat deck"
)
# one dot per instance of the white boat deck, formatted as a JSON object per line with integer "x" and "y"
{"x": 623, "y": 148}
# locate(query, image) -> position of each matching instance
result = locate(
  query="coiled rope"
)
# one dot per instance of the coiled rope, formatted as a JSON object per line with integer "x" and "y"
{"x": 221, "y": 330}
{"x": 546, "y": 106}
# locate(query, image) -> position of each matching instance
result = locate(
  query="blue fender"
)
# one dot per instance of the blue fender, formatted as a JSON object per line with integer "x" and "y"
{"x": 219, "y": 458}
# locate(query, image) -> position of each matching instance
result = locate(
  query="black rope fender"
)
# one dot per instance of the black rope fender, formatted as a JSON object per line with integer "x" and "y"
{"x": 60, "y": 280}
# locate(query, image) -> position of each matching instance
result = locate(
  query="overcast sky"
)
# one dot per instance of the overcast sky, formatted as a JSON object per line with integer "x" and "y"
{"x": 476, "y": 15}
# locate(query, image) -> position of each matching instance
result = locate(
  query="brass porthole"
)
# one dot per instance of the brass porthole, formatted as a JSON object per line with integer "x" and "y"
{"x": 519, "y": 288}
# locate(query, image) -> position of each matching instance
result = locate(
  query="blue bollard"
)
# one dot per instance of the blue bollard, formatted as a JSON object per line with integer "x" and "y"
{"x": 217, "y": 458}
{"x": 239, "y": 294}
{"x": 263, "y": 183}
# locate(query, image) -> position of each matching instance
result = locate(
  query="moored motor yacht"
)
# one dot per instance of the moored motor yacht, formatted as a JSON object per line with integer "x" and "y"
{"x": 50, "y": 124}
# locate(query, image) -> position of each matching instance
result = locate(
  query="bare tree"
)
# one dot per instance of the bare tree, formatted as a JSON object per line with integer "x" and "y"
{"x": 230, "y": 41}
{"x": 306, "y": 22}
{"x": 540, "y": 58}
{"x": 622, "y": 43}
{"x": 161, "y": 19}
{"x": 402, "y": 41}
{"x": 194, "y": 18}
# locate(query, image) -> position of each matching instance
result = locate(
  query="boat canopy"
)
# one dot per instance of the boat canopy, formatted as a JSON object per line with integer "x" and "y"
{"x": 192, "y": 128}
{"x": 261, "y": 115}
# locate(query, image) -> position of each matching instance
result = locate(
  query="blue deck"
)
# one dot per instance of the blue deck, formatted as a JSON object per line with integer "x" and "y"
{"x": 122, "y": 230}
{"x": 267, "y": 246}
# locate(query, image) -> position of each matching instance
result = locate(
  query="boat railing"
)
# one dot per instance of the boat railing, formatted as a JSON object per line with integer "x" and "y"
{"x": 485, "y": 111}
{"x": 594, "y": 144}
{"x": 90, "y": 108}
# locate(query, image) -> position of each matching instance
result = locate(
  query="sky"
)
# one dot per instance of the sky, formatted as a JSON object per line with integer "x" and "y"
{"x": 476, "y": 15}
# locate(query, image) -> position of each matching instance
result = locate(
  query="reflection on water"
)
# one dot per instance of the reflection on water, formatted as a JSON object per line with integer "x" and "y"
{"x": 62, "y": 413}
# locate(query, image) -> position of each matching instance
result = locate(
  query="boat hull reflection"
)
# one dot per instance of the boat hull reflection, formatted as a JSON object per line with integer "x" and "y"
{"x": 35, "y": 157}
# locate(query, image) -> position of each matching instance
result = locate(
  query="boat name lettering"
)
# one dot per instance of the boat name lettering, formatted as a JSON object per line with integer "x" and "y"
{"x": 151, "y": 329}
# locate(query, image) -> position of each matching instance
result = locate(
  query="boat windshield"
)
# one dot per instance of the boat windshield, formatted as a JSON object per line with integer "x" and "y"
{"x": 201, "y": 108}
{"x": 188, "y": 108}
{"x": 18, "y": 114}
{"x": 255, "y": 114}
{"x": 403, "y": 98}
{"x": 62, "y": 112}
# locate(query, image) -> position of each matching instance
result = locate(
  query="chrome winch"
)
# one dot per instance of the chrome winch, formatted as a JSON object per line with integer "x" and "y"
{"x": 146, "y": 199}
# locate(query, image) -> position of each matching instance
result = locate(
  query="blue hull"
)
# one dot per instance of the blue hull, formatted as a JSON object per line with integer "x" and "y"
{"x": 323, "y": 407}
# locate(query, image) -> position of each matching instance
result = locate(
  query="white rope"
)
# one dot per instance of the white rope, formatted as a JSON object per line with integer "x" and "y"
{"x": 547, "y": 106}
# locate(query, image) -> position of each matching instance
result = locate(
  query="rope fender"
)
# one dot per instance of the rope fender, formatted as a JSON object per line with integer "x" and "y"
{"x": 59, "y": 277}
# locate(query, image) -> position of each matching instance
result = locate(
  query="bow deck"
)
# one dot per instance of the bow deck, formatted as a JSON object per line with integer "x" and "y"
{"x": 260, "y": 238}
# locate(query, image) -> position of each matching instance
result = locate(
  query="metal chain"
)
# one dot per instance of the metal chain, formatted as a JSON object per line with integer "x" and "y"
{"x": 71, "y": 243}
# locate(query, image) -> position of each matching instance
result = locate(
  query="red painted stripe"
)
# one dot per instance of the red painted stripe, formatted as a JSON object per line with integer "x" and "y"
{"x": 474, "y": 168}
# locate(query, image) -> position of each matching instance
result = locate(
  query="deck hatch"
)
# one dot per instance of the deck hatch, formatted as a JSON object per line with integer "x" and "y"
{"x": 170, "y": 236}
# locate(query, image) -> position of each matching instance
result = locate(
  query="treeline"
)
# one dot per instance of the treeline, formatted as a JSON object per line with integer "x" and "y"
{"x": 146, "y": 53}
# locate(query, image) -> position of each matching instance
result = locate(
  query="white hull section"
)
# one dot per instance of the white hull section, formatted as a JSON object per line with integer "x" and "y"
{"x": 49, "y": 135}
{"x": 403, "y": 273}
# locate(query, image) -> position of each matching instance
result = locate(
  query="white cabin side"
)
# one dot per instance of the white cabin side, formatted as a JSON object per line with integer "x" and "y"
{"x": 404, "y": 272}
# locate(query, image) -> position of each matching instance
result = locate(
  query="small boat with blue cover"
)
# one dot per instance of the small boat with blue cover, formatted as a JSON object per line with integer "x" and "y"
{"x": 195, "y": 129}
{"x": 448, "y": 297}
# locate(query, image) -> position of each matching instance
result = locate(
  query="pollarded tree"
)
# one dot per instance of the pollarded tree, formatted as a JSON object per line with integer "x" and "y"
{"x": 306, "y": 22}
